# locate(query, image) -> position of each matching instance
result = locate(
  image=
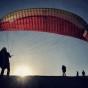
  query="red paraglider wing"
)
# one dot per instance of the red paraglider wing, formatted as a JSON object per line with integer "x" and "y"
{"x": 46, "y": 20}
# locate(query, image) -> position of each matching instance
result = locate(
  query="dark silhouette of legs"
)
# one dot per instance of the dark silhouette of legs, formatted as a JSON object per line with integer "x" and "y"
{"x": 2, "y": 72}
{"x": 64, "y": 74}
{"x": 8, "y": 70}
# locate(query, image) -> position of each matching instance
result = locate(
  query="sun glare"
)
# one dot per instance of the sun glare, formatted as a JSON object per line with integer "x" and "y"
{"x": 23, "y": 71}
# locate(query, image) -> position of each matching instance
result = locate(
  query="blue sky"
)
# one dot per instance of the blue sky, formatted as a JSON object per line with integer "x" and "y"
{"x": 44, "y": 53}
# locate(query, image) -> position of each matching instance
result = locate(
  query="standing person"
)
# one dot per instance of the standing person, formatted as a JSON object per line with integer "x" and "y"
{"x": 77, "y": 73}
{"x": 4, "y": 55}
{"x": 83, "y": 73}
{"x": 64, "y": 70}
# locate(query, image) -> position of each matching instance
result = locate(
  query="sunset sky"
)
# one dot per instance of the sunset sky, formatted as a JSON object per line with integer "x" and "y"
{"x": 44, "y": 53}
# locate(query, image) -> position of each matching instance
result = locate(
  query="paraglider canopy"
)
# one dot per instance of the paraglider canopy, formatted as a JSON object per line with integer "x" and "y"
{"x": 46, "y": 20}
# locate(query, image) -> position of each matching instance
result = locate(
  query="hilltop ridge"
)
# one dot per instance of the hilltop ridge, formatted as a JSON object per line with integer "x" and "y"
{"x": 43, "y": 82}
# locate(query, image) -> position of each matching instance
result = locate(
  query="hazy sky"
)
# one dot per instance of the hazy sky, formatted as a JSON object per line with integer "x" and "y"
{"x": 44, "y": 53}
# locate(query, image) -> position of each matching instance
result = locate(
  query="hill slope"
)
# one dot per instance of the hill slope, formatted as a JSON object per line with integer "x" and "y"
{"x": 43, "y": 82}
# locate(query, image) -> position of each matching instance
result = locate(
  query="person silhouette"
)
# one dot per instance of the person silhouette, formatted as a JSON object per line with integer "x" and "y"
{"x": 83, "y": 73}
{"x": 77, "y": 73}
{"x": 64, "y": 70}
{"x": 4, "y": 56}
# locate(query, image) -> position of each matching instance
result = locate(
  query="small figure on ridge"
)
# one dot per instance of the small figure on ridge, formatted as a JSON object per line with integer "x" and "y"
{"x": 77, "y": 73}
{"x": 83, "y": 73}
{"x": 64, "y": 70}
